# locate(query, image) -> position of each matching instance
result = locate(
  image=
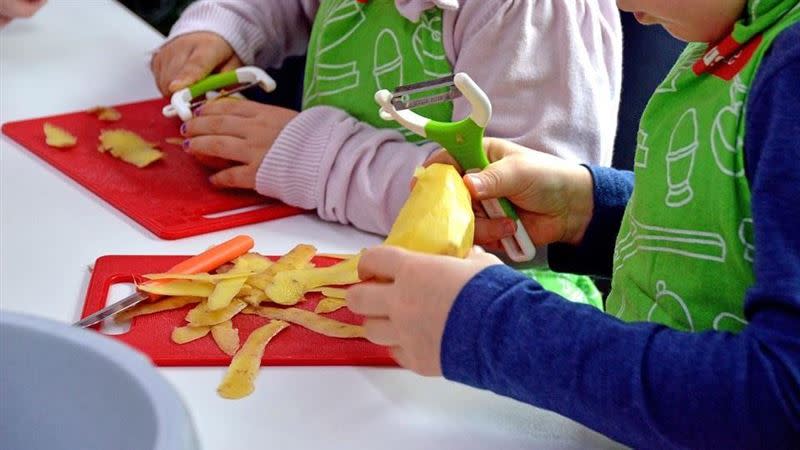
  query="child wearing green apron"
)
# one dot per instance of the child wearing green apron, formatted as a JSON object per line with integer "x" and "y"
{"x": 551, "y": 69}
{"x": 700, "y": 345}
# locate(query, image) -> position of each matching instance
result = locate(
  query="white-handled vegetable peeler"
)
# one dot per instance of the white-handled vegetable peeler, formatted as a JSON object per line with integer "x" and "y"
{"x": 183, "y": 101}
{"x": 463, "y": 140}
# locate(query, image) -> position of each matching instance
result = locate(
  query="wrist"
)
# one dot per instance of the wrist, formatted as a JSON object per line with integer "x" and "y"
{"x": 581, "y": 206}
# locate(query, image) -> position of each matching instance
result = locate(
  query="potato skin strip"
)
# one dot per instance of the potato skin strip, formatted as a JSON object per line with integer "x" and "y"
{"x": 58, "y": 137}
{"x": 287, "y": 288}
{"x": 307, "y": 319}
{"x": 238, "y": 380}
{"x": 226, "y": 337}
{"x": 178, "y": 287}
{"x": 167, "y": 304}
{"x": 297, "y": 258}
{"x": 329, "y": 305}
{"x": 202, "y": 316}
{"x": 183, "y": 335}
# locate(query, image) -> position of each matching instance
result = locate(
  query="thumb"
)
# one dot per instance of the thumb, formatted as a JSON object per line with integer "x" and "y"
{"x": 200, "y": 63}
{"x": 501, "y": 178}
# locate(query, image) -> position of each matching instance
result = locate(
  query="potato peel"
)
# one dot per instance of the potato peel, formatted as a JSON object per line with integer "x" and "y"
{"x": 129, "y": 147}
{"x": 226, "y": 337}
{"x": 183, "y": 335}
{"x": 167, "y": 304}
{"x": 58, "y": 137}
{"x": 106, "y": 113}
{"x": 295, "y": 259}
{"x": 329, "y": 305}
{"x": 178, "y": 287}
{"x": 200, "y": 315}
{"x": 332, "y": 292}
{"x": 239, "y": 379}
{"x": 288, "y": 287}
{"x": 307, "y": 319}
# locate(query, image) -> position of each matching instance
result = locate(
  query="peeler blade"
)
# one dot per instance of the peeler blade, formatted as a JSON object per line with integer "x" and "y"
{"x": 401, "y": 96}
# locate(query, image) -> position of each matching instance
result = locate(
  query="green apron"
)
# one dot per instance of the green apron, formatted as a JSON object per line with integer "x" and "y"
{"x": 359, "y": 47}
{"x": 684, "y": 253}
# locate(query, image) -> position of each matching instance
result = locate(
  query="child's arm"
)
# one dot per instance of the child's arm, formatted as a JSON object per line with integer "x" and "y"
{"x": 261, "y": 32}
{"x": 552, "y": 90}
{"x": 643, "y": 384}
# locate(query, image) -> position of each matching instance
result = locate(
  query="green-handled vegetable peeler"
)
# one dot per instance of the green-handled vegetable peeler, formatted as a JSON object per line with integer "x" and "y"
{"x": 463, "y": 140}
{"x": 183, "y": 101}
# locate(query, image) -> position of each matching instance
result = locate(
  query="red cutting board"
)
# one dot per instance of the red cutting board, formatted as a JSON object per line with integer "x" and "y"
{"x": 294, "y": 346}
{"x": 170, "y": 197}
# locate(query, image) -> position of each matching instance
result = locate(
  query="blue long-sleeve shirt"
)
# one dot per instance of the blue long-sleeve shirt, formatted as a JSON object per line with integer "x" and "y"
{"x": 644, "y": 384}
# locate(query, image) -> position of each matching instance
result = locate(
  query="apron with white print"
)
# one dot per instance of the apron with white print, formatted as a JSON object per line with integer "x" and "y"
{"x": 684, "y": 253}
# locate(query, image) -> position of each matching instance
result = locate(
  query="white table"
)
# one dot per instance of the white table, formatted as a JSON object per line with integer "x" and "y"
{"x": 79, "y": 53}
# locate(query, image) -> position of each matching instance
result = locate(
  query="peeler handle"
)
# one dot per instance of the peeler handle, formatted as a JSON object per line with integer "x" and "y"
{"x": 519, "y": 247}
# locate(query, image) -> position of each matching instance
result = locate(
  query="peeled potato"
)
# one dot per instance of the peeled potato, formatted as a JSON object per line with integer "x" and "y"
{"x": 129, "y": 147}
{"x": 307, "y": 319}
{"x": 182, "y": 335}
{"x": 226, "y": 337}
{"x": 238, "y": 380}
{"x": 437, "y": 218}
{"x": 58, "y": 137}
{"x": 287, "y": 288}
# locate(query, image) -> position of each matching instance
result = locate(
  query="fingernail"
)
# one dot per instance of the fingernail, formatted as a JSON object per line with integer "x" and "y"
{"x": 198, "y": 110}
{"x": 509, "y": 227}
{"x": 477, "y": 184}
{"x": 183, "y": 129}
{"x": 186, "y": 143}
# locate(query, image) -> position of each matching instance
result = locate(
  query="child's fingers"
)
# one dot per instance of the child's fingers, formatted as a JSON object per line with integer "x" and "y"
{"x": 243, "y": 177}
{"x": 380, "y": 331}
{"x": 221, "y": 125}
{"x": 233, "y": 63}
{"x": 230, "y": 107}
{"x": 493, "y": 230}
{"x": 501, "y": 178}
{"x": 368, "y": 299}
{"x": 381, "y": 262}
{"x": 201, "y": 61}
{"x": 225, "y": 147}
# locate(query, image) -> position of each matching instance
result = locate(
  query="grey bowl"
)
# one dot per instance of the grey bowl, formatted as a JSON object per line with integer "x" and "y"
{"x": 65, "y": 388}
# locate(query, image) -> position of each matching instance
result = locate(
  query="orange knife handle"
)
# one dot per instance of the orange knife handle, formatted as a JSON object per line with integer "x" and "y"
{"x": 215, "y": 256}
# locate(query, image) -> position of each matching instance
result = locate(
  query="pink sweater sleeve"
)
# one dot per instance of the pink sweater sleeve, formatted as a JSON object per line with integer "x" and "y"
{"x": 551, "y": 68}
{"x": 261, "y": 32}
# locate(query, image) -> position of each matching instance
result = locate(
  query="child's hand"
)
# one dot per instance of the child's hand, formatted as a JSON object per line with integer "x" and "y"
{"x": 11, "y": 9}
{"x": 241, "y": 131}
{"x": 554, "y": 197}
{"x": 408, "y": 299}
{"x": 189, "y": 58}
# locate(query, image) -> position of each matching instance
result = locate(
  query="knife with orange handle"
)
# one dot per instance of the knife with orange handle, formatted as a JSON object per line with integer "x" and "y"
{"x": 204, "y": 262}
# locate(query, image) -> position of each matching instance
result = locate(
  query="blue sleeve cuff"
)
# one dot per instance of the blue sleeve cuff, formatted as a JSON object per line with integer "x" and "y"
{"x": 461, "y": 360}
{"x": 612, "y": 190}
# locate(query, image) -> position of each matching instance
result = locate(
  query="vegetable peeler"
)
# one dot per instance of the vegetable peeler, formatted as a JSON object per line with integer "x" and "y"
{"x": 463, "y": 140}
{"x": 183, "y": 101}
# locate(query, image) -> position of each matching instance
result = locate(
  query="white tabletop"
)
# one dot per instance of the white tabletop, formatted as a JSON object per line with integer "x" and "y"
{"x": 80, "y": 53}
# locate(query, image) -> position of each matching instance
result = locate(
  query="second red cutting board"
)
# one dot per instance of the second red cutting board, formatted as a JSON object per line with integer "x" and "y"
{"x": 295, "y": 346}
{"x": 172, "y": 198}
